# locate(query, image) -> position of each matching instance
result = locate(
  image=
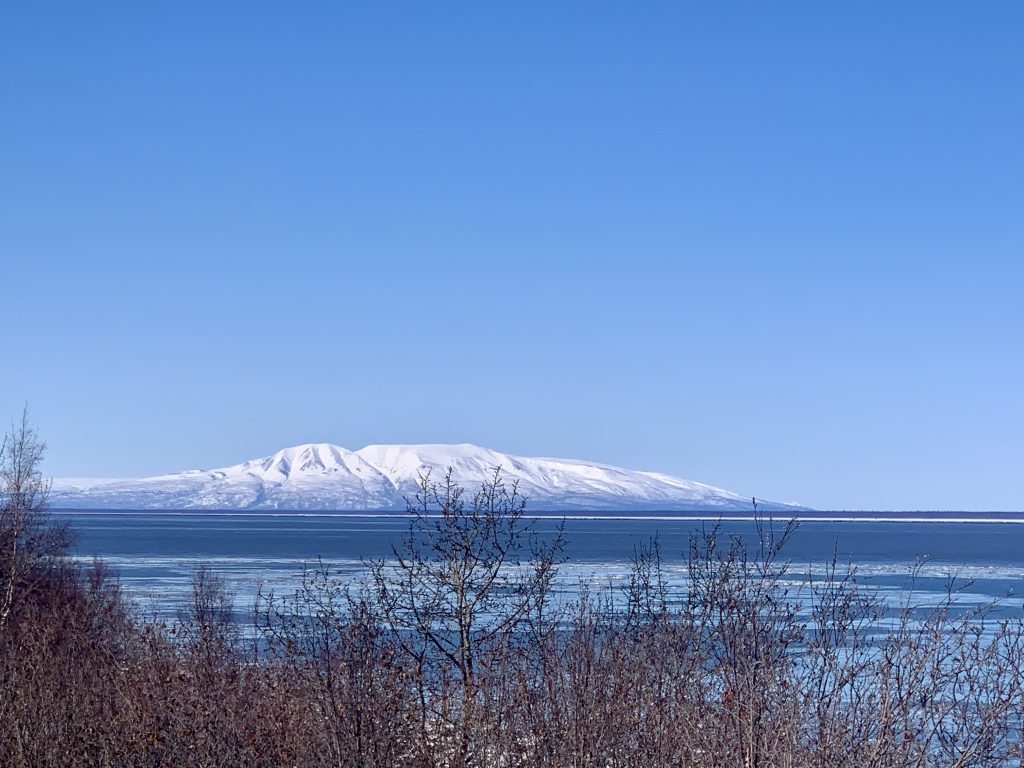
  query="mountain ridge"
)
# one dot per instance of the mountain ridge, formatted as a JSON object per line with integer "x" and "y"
{"x": 379, "y": 477}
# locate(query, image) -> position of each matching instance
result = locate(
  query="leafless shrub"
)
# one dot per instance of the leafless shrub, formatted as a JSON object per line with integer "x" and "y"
{"x": 357, "y": 689}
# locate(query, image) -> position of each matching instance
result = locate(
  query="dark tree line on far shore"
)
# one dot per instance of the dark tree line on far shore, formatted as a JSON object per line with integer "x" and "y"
{"x": 457, "y": 652}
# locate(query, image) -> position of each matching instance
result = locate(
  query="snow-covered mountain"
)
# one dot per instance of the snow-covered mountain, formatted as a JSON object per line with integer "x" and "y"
{"x": 322, "y": 476}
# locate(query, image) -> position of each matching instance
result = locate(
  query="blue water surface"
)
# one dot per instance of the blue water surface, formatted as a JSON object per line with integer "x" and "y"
{"x": 155, "y": 552}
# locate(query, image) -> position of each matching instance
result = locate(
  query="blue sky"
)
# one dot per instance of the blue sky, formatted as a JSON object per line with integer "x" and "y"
{"x": 773, "y": 247}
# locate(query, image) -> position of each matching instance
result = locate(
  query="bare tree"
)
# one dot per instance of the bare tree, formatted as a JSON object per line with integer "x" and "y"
{"x": 28, "y": 541}
{"x": 207, "y": 621}
{"x": 465, "y": 576}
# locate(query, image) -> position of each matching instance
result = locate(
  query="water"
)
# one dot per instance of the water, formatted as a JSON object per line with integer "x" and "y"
{"x": 155, "y": 552}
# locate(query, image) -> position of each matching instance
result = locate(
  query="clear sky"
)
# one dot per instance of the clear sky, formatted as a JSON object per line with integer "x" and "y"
{"x": 775, "y": 247}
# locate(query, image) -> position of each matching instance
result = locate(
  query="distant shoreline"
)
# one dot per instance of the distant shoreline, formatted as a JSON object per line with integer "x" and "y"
{"x": 693, "y": 517}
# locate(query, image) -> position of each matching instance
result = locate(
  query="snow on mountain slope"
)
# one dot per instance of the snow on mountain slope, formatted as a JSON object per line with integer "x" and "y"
{"x": 380, "y": 477}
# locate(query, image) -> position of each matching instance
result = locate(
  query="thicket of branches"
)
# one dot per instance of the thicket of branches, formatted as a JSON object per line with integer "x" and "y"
{"x": 456, "y": 652}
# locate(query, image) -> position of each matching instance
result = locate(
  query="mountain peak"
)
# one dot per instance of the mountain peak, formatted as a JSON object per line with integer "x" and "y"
{"x": 325, "y": 476}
